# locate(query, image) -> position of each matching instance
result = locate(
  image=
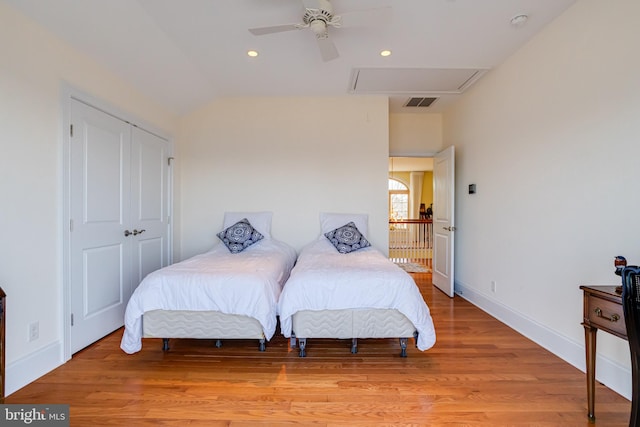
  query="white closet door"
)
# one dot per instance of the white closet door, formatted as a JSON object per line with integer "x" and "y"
{"x": 100, "y": 253}
{"x": 119, "y": 214}
{"x": 149, "y": 216}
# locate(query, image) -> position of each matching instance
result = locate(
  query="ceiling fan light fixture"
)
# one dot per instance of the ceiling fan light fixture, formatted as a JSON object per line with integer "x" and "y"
{"x": 252, "y": 53}
{"x": 319, "y": 28}
{"x": 385, "y": 53}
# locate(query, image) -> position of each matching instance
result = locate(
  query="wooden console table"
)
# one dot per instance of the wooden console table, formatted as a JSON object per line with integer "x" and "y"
{"x": 602, "y": 310}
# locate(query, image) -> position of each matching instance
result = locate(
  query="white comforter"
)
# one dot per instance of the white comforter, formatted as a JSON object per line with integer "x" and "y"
{"x": 324, "y": 279}
{"x": 248, "y": 283}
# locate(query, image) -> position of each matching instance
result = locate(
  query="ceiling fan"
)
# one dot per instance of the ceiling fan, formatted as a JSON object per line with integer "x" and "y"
{"x": 319, "y": 18}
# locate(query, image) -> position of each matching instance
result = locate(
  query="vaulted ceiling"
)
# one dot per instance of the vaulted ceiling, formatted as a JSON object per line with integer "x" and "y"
{"x": 185, "y": 53}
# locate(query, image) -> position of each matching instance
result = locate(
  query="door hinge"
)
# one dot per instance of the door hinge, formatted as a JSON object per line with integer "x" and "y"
{"x": 169, "y": 159}
{"x": 71, "y": 130}
{"x": 71, "y": 319}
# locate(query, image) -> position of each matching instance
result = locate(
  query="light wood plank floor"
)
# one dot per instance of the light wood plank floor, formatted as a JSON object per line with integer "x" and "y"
{"x": 479, "y": 373}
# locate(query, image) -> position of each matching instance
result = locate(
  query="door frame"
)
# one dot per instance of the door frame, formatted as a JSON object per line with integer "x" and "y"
{"x": 67, "y": 93}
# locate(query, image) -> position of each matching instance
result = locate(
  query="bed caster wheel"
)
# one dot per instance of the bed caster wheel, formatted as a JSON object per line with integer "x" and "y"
{"x": 262, "y": 346}
{"x": 218, "y": 343}
{"x": 165, "y": 344}
{"x": 354, "y": 345}
{"x": 303, "y": 346}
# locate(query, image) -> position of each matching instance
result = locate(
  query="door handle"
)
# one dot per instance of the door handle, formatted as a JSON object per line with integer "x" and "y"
{"x": 449, "y": 228}
{"x": 127, "y": 233}
{"x": 136, "y": 232}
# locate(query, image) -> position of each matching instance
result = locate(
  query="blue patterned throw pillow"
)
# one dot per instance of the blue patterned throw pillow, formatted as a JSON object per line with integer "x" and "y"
{"x": 240, "y": 236}
{"x": 347, "y": 238}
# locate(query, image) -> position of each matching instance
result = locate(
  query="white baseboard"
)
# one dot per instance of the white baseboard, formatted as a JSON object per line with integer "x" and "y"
{"x": 608, "y": 372}
{"x": 28, "y": 369}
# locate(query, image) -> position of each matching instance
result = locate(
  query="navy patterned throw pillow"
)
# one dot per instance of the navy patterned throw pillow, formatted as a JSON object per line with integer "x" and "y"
{"x": 347, "y": 238}
{"x": 240, "y": 236}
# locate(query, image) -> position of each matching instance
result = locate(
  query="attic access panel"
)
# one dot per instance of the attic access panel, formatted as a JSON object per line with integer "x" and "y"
{"x": 413, "y": 80}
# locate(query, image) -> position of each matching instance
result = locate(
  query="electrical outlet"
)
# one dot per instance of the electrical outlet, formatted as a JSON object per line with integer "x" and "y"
{"x": 493, "y": 286}
{"x": 34, "y": 331}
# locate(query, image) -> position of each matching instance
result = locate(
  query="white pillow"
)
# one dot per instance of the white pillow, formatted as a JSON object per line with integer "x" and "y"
{"x": 331, "y": 221}
{"x": 261, "y": 221}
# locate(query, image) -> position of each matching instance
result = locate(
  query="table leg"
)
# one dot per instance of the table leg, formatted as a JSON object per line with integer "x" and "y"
{"x": 590, "y": 347}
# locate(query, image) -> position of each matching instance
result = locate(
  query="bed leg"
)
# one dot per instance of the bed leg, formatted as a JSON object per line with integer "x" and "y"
{"x": 354, "y": 345}
{"x": 165, "y": 344}
{"x": 303, "y": 345}
{"x": 263, "y": 344}
{"x": 293, "y": 340}
{"x": 218, "y": 343}
{"x": 403, "y": 346}
{"x": 415, "y": 337}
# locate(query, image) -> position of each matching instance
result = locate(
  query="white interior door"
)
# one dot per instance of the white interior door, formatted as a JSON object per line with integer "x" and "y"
{"x": 443, "y": 220}
{"x": 100, "y": 253}
{"x": 149, "y": 204}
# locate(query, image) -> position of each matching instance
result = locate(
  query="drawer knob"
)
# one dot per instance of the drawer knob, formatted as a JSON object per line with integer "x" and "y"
{"x": 614, "y": 317}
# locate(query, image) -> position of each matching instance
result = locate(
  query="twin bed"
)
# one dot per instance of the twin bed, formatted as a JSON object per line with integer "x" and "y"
{"x": 215, "y": 295}
{"x": 357, "y": 295}
{"x": 327, "y": 294}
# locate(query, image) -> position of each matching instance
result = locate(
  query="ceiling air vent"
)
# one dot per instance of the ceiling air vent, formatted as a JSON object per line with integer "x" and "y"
{"x": 419, "y": 102}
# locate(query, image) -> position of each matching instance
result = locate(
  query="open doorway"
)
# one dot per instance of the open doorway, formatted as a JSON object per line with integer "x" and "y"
{"x": 411, "y": 212}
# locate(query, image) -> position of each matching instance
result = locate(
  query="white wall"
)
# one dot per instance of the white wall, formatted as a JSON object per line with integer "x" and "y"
{"x": 550, "y": 138}
{"x": 414, "y": 135}
{"x": 296, "y": 157}
{"x": 33, "y": 66}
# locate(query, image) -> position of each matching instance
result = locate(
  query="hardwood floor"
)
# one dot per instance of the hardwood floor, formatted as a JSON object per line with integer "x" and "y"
{"x": 479, "y": 373}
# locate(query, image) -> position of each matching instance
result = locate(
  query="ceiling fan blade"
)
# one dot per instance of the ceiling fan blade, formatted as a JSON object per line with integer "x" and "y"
{"x": 260, "y": 31}
{"x": 328, "y": 50}
{"x": 368, "y": 17}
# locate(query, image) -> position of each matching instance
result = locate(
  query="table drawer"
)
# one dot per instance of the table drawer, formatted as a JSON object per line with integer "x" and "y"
{"x": 605, "y": 314}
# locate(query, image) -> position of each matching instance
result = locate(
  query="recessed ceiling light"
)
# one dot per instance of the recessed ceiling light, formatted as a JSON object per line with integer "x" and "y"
{"x": 252, "y": 53}
{"x": 385, "y": 53}
{"x": 519, "y": 20}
